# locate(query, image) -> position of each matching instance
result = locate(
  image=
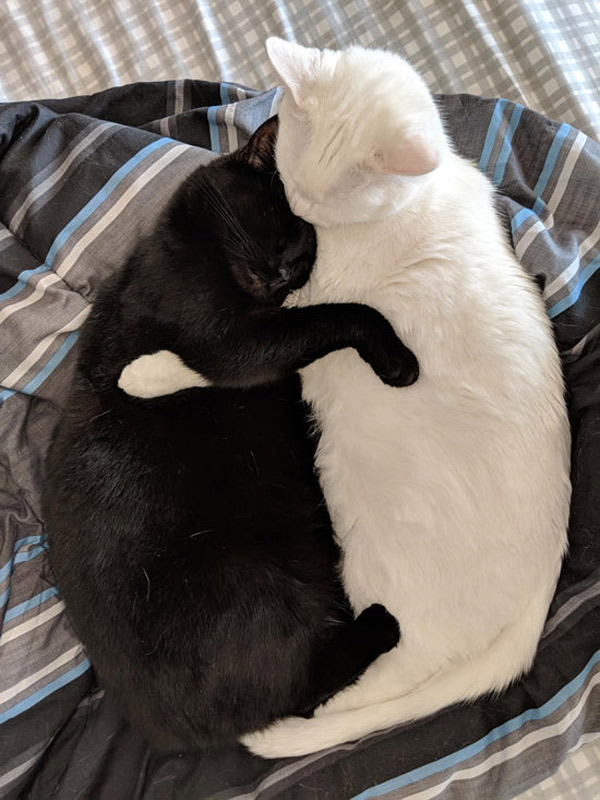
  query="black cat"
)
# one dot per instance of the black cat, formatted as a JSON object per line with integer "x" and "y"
{"x": 188, "y": 534}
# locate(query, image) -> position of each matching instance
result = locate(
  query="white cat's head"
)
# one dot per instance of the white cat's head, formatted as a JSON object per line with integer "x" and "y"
{"x": 358, "y": 131}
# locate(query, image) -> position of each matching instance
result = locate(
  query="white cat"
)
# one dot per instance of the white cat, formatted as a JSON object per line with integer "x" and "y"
{"x": 450, "y": 498}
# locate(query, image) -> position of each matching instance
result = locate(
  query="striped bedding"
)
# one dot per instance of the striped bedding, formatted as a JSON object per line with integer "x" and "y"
{"x": 80, "y": 180}
{"x": 539, "y": 52}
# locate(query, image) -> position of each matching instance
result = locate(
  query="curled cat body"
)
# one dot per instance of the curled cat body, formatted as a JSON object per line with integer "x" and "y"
{"x": 450, "y": 498}
{"x": 188, "y": 534}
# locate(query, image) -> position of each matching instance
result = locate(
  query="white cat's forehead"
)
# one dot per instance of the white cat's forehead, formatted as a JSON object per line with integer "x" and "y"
{"x": 335, "y": 71}
{"x": 370, "y": 89}
{"x": 321, "y": 146}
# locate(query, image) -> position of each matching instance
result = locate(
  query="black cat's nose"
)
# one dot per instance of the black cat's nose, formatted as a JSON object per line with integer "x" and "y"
{"x": 279, "y": 270}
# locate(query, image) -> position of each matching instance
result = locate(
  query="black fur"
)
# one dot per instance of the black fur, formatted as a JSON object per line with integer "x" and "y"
{"x": 188, "y": 534}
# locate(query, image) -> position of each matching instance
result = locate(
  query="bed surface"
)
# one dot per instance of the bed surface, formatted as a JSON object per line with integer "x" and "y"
{"x": 541, "y": 53}
{"x": 53, "y": 723}
{"x": 80, "y": 180}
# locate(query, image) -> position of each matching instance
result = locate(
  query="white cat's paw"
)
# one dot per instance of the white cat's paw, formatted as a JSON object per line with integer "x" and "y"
{"x": 159, "y": 374}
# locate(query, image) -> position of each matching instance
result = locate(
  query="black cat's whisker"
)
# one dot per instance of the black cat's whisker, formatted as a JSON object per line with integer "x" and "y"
{"x": 237, "y": 236}
{"x": 225, "y": 208}
{"x": 254, "y": 462}
{"x": 148, "y": 579}
{"x": 233, "y": 239}
{"x": 221, "y": 205}
{"x": 108, "y": 410}
{"x": 251, "y": 247}
{"x": 199, "y": 533}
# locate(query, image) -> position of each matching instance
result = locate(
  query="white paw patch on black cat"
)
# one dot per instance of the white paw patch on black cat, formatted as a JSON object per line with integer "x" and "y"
{"x": 159, "y": 374}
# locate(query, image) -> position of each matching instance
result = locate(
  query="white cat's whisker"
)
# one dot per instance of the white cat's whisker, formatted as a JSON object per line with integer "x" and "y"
{"x": 330, "y": 144}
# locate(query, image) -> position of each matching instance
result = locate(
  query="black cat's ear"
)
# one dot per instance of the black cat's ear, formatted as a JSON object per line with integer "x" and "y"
{"x": 259, "y": 152}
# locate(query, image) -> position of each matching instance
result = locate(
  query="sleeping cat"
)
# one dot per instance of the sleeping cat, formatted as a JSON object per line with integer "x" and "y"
{"x": 449, "y": 499}
{"x": 188, "y": 535}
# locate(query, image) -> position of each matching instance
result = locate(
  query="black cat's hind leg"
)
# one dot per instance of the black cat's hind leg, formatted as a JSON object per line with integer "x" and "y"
{"x": 347, "y": 655}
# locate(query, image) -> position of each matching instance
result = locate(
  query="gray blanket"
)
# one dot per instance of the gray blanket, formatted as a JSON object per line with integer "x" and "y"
{"x": 80, "y": 180}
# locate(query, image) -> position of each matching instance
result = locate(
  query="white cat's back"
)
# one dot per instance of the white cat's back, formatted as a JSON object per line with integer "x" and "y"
{"x": 452, "y": 472}
{"x": 450, "y": 497}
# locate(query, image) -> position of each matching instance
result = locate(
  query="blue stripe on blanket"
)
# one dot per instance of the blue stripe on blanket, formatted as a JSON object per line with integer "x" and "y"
{"x": 17, "y": 556}
{"x": 492, "y": 132}
{"x": 46, "y": 370}
{"x": 506, "y": 149}
{"x": 213, "y": 127}
{"x": 89, "y": 208}
{"x": 493, "y": 736}
{"x": 583, "y": 277}
{"x": 549, "y": 166}
{"x": 45, "y": 691}
{"x": 33, "y": 602}
{"x": 21, "y": 283}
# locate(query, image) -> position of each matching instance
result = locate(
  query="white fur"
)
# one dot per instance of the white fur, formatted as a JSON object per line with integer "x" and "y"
{"x": 450, "y": 498}
{"x": 159, "y": 374}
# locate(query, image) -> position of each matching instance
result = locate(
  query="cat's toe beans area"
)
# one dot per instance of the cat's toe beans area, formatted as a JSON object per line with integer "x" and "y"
{"x": 412, "y": 373}
{"x": 408, "y": 372}
{"x": 404, "y": 373}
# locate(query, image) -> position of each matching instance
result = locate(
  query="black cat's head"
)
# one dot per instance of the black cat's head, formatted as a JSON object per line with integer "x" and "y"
{"x": 269, "y": 250}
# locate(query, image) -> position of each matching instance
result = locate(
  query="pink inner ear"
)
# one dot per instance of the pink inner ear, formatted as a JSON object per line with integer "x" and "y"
{"x": 413, "y": 156}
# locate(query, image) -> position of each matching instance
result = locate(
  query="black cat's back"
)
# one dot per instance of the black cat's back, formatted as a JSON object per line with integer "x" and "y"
{"x": 215, "y": 521}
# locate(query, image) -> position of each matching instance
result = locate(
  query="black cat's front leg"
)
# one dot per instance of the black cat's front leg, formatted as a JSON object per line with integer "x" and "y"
{"x": 266, "y": 346}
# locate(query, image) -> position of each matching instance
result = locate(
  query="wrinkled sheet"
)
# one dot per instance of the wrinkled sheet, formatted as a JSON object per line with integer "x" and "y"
{"x": 80, "y": 180}
{"x": 541, "y": 53}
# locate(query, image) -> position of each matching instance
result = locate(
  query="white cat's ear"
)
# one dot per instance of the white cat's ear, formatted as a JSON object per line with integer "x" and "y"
{"x": 295, "y": 65}
{"x": 414, "y": 155}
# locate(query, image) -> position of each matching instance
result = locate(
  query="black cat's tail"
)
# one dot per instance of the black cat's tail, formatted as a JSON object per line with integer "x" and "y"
{"x": 347, "y": 655}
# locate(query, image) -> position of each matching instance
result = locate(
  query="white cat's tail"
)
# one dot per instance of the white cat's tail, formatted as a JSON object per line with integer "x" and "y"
{"x": 507, "y": 658}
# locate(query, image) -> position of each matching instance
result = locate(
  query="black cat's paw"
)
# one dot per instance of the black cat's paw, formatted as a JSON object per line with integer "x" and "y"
{"x": 402, "y": 371}
{"x": 380, "y": 627}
